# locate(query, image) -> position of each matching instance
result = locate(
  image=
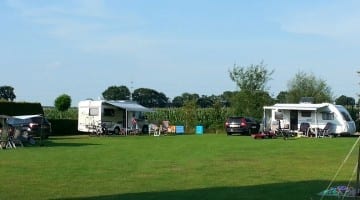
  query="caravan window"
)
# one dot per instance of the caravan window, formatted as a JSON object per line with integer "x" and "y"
{"x": 94, "y": 111}
{"x": 109, "y": 112}
{"x": 305, "y": 113}
{"x": 345, "y": 116}
{"x": 327, "y": 116}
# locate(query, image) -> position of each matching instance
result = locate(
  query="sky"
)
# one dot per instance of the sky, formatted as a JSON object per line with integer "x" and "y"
{"x": 80, "y": 48}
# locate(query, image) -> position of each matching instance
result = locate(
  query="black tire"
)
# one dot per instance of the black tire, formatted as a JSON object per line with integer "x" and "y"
{"x": 229, "y": 134}
{"x": 117, "y": 131}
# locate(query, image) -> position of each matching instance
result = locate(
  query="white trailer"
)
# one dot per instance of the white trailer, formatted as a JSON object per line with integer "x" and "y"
{"x": 115, "y": 115}
{"x": 291, "y": 116}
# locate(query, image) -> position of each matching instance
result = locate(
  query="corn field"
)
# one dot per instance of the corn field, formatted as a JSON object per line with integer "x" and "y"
{"x": 212, "y": 119}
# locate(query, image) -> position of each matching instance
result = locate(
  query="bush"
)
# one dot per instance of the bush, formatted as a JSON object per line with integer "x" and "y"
{"x": 62, "y": 127}
{"x": 20, "y": 108}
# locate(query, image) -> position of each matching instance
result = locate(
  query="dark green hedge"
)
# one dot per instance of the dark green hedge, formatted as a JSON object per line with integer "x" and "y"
{"x": 20, "y": 108}
{"x": 62, "y": 127}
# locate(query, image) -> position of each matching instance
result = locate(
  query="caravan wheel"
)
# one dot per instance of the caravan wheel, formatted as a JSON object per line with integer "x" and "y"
{"x": 117, "y": 131}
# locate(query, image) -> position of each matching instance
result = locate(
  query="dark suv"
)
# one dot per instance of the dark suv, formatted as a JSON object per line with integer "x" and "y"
{"x": 35, "y": 125}
{"x": 241, "y": 125}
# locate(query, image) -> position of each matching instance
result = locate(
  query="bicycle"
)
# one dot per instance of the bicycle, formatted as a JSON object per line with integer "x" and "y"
{"x": 99, "y": 129}
{"x": 282, "y": 133}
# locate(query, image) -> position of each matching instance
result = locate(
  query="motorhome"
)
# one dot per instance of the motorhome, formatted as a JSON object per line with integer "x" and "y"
{"x": 117, "y": 116}
{"x": 292, "y": 116}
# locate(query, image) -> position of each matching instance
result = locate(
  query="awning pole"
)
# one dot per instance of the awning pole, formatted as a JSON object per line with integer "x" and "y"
{"x": 317, "y": 125}
{"x": 126, "y": 121}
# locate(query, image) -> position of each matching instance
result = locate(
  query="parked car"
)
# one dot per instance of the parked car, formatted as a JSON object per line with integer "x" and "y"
{"x": 241, "y": 125}
{"x": 35, "y": 125}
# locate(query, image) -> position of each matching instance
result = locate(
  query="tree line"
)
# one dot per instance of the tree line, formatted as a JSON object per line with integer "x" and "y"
{"x": 252, "y": 93}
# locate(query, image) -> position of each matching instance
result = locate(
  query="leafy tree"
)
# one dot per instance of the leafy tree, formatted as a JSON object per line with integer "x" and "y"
{"x": 188, "y": 97}
{"x": 150, "y": 98}
{"x": 205, "y": 101}
{"x": 116, "y": 93}
{"x": 252, "y": 96}
{"x": 252, "y": 78}
{"x": 178, "y": 101}
{"x": 282, "y": 97}
{"x": 345, "y": 101}
{"x": 63, "y": 102}
{"x": 307, "y": 85}
{"x": 250, "y": 103}
{"x": 7, "y": 93}
{"x": 227, "y": 97}
{"x": 190, "y": 110}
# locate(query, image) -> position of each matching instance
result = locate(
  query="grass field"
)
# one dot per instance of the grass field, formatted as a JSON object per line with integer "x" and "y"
{"x": 175, "y": 167}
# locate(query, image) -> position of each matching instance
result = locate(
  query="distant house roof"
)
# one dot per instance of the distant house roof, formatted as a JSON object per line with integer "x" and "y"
{"x": 129, "y": 106}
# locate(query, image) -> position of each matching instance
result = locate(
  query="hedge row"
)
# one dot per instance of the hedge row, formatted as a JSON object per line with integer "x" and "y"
{"x": 20, "y": 108}
{"x": 64, "y": 127}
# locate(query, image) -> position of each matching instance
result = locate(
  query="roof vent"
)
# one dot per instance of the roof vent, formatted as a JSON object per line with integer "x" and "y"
{"x": 306, "y": 100}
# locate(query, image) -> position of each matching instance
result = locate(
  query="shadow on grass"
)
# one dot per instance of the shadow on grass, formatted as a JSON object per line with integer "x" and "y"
{"x": 56, "y": 143}
{"x": 293, "y": 190}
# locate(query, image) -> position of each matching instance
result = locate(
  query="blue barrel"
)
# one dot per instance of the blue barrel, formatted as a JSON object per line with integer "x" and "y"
{"x": 199, "y": 130}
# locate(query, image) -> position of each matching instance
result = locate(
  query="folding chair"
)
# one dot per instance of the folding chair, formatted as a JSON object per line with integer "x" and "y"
{"x": 328, "y": 130}
{"x": 305, "y": 128}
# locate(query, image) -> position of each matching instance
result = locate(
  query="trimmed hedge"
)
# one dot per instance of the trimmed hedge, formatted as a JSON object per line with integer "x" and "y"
{"x": 62, "y": 127}
{"x": 20, "y": 108}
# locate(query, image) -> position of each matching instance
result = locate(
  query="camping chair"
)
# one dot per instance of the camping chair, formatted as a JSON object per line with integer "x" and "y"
{"x": 164, "y": 127}
{"x": 305, "y": 128}
{"x": 153, "y": 129}
{"x": 18, "y": 138}
{"x": 328, "y": 130}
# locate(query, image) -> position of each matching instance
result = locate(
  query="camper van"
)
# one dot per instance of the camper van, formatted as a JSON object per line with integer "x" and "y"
{"x": 117, "y": 116}
{"x": 316, "y": 116}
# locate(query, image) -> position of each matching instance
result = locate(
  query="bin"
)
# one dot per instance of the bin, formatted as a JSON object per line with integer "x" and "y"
{"x": 179, "y": 129}
{"x": 199, "y": 130}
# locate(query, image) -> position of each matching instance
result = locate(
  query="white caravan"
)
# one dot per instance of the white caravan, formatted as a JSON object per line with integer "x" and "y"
{"x": 291, "y": 116}
{"x": 115, "y": 115}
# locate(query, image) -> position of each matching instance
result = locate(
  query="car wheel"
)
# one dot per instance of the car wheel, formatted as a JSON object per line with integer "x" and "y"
{"x": 229, "y": 134}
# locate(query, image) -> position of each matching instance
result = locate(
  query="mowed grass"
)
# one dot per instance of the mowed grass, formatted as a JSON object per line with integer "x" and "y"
{"x": 175, "y": 167}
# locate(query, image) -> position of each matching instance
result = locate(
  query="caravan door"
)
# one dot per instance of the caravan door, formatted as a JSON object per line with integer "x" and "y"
{"x": 294, "y": 120}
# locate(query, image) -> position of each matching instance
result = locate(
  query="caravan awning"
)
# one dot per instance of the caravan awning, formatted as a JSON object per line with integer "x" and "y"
{"x": 295, "y": 106}
{"x": 129, "y": 106}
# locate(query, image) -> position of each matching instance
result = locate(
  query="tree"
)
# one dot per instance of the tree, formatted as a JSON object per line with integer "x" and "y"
{"x": 150, "y": 98}
{"x": 63, "y": 102}
{"x": 7, "y": 93}
{"x": 307, "y": 85}
{"x": 179, "y": 101}
{"x": 252, "y": 96}
{"x": 116, "y": 93}
{"x": 190, "y": 108}
{"x": 204, "y": 102}
{"x": 252, "y": 78}
{"x": 345, "y": 101}
{"x": 282, "y": 97}
{"x": 227, "y": 97}
{"x": 249, "y": 103}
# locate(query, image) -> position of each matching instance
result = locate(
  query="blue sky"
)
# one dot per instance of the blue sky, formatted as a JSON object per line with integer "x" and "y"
{"x": 82, "y": 47}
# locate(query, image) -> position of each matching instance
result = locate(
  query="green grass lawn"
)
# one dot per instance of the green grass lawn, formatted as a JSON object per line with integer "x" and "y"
{"x": 175, "y": 167}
